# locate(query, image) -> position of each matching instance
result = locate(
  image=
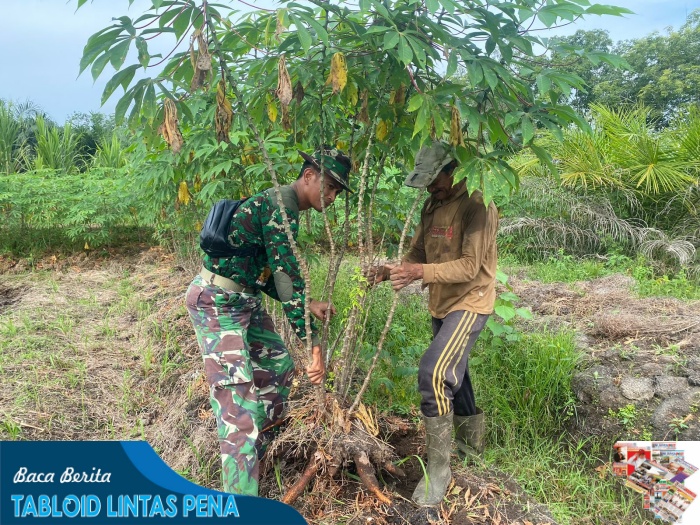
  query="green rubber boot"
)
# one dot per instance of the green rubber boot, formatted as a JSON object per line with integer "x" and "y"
{"x": 469, "y": 435}
{"x": 438, "y": 437}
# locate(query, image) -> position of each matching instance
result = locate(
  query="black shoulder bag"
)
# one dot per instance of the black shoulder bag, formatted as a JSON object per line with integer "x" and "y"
{"x": 213, "y": 238}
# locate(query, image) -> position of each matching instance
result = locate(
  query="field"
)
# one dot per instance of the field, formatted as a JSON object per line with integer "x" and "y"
{"x": 98, "y": 346}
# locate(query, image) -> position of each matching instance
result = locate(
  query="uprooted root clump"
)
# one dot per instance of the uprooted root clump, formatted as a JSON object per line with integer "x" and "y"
{"x": 320, "y": 436}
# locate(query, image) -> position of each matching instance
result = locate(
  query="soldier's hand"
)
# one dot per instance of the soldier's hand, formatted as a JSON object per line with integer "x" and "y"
{"x": 321, "y": 309}
{"x": 317, "y": 369}
{"x": 404, "y": 274}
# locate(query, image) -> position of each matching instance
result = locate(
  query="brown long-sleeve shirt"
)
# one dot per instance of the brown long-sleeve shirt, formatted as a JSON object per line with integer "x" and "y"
{"x": 456, "y": 243}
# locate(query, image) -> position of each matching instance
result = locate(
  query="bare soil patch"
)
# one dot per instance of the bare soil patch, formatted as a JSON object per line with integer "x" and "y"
{"x": 8, "y": 297}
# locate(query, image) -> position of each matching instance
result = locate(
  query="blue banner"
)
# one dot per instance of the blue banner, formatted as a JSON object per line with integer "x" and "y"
{"x": 119, "y": 482}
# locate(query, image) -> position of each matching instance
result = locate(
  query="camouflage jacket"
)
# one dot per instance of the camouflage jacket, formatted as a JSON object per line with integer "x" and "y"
{"x": 258, "y": 222}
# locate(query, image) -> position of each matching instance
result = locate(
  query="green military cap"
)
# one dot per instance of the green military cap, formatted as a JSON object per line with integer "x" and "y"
{"x": 335, "y": 163}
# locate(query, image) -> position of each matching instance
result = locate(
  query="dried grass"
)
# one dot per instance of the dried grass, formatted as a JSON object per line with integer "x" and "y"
{"x": 607, "y": 307}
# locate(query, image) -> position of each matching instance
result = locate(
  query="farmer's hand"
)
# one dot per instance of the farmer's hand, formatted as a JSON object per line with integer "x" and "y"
{"x": 317, "y": 369}
{"x": 377, "y": 274}
{"x": 321, "y": 309}
{"x": 404, "y": 274}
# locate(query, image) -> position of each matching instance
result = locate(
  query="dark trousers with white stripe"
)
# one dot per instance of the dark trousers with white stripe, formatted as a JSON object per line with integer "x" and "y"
{"x": 443, "y": 374}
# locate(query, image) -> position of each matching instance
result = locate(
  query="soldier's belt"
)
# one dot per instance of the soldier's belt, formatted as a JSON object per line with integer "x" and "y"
{"x": 223, "y": 282}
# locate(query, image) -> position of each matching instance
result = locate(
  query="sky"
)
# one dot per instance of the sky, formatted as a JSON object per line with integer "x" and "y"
{"x": 43, "y": 40}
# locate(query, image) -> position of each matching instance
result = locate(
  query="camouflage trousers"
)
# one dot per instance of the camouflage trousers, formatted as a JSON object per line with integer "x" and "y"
{"x": 249, "y": 372}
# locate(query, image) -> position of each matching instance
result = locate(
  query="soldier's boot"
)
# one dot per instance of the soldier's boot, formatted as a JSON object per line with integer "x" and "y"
{"x": 470, "y": 432}
{"x": 438, "y": 437}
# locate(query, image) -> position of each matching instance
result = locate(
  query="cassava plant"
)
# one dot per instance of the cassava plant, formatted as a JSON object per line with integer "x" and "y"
{"x": 240, "y": 92}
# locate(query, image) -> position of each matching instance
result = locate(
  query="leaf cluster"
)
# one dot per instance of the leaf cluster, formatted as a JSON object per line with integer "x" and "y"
{"x": 399, "y": 65}
{"x": 86, "y": 208}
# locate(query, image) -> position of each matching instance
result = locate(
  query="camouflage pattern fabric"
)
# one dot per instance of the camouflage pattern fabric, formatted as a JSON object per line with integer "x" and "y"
{"x": 249, "y": 372}
{"x": 258, "y": 222}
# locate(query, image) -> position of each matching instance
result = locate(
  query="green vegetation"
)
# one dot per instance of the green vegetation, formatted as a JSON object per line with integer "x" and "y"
{"x": 29, "y": 140}
{"x": 528, "y": 407}
{"x": 564, "y": 475}
{"x": 566, "y": 268}
{"x": 53, "y": 211}
{"x": 626, "y": 190}
{"x": 533, "y": 395}
{"x": 662, "y": 69}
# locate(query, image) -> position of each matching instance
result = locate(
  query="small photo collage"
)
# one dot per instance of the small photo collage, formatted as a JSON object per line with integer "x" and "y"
{"x": 657, "y": 471}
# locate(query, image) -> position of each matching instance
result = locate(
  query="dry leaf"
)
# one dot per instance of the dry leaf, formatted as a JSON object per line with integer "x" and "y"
{"x": 286, "y": 123}
{"x": 398, "y": 97}
{"x": 470, "y": 501}
{"x": 248, "y": 158}
{"x": 456, "y": 137}
{"x": 201, "y": 65}
{"x": 339, "y": 73}
{"x": 382, "y": 130}
{"x": 364, "y": 111}
{"x": 284, "y": 83}
{"x": 169, "y": 128}
{"x": 369, "y": 421}
{"x": 280, "y": 23}
{"x": 224, "y": 113}
{"x": 183, "y": 194}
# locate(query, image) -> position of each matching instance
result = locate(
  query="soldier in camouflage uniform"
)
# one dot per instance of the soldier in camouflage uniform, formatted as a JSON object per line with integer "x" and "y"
{"x": 246, "y": 364}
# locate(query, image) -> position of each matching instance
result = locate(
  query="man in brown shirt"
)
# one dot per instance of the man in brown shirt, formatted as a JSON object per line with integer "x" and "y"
{"x": 454, "y": 253}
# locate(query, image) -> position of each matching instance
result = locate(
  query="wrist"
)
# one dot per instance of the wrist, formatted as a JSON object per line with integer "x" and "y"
{"x": 417, "y": 271}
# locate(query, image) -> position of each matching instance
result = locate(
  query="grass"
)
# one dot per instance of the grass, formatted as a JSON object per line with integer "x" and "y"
{"x": 53, "y": 352}
{"x": 533, "y": 394}
{"x": 565, "y": 268}
{"x": 527, "y": 410}
{"x": 561, "y": 473}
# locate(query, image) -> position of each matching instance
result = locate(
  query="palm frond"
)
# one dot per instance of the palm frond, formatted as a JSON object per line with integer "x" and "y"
{"x": 681, "y": 251}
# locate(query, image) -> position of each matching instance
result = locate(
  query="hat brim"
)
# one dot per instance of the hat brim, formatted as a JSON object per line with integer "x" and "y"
{"x": 310, "y": 159}
{"x": 416, "y": 179}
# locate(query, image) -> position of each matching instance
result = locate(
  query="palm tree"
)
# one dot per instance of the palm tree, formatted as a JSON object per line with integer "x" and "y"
{"x": 650, "y": 162}
{"x": 56, "y": 148}
{"x": 624, "y": 181}
{"x": 18, "y": 128}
